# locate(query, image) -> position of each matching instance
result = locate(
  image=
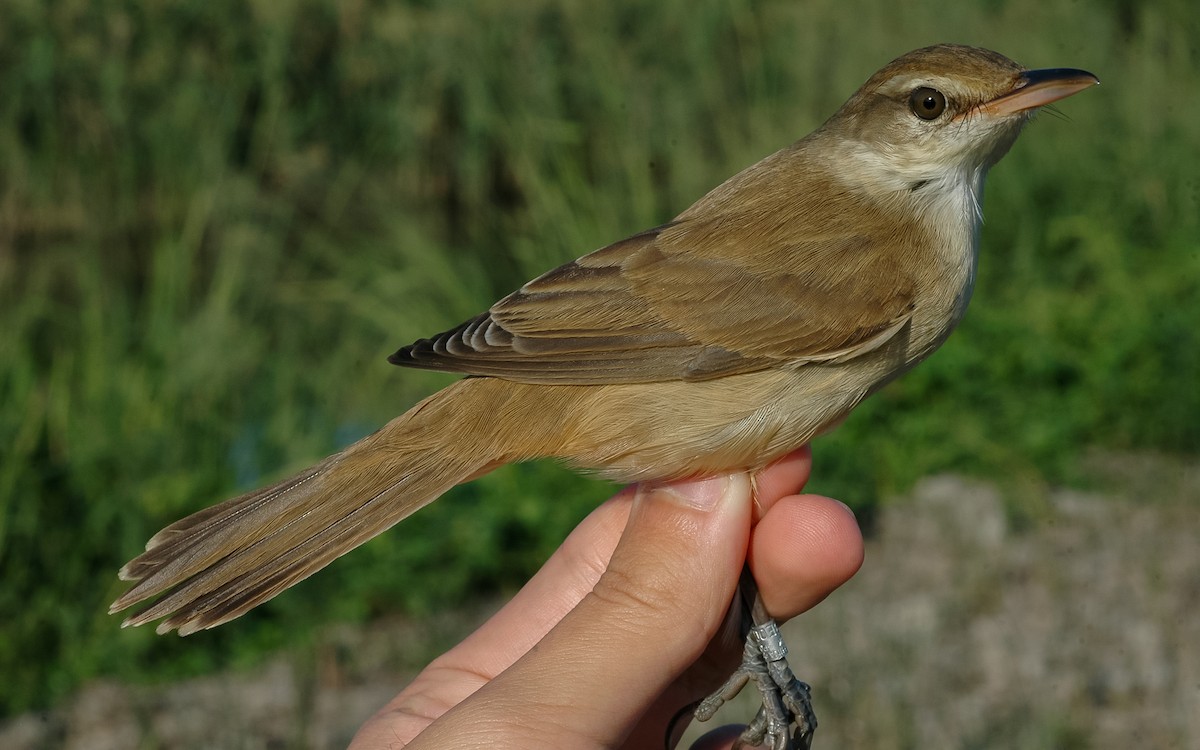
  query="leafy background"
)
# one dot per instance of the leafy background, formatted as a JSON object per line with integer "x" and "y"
{"x": 217, "y": 218}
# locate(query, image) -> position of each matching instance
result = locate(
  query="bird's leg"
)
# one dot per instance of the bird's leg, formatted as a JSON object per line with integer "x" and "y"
{"x": 786, "y": 720}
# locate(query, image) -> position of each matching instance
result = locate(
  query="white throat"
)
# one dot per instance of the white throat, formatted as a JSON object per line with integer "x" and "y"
{"x": 949, "y": 197}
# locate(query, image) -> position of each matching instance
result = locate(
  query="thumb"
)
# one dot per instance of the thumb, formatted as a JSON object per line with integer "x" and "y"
{"x": 660, "y": 601}
{"x": 676, "y": 567}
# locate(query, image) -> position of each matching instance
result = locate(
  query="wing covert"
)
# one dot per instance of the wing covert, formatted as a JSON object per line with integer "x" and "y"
{"x": 611, "y": 317}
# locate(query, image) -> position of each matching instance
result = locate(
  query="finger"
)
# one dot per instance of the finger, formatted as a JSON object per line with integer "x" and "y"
{"x": 562, "y": 582}
{"x": 565, "y": 579}
{"x": 783, "y": 477}
{"x": 827, "y": 533}
{"x": 650, "y": 615}
{"x": 804, "y": 548}
{"x": 567, "y": 576}
{"x": 574, "y": 569}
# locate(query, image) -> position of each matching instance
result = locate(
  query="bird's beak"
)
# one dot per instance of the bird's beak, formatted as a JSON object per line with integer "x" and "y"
{"x": 1035, "y": 88}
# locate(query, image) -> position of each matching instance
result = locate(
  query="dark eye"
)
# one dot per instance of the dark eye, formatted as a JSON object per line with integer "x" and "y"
{"x": 927, "y": 103}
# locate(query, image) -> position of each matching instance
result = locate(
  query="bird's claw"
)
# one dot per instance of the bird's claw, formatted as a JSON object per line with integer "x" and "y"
{"x": 785, "y": 721}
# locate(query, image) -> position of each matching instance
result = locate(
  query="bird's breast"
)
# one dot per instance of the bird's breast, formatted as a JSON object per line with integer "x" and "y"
{"x": 949, "y": 213}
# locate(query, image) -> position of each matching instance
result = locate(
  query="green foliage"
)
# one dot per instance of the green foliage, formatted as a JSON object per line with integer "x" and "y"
{"x": 217, "y": 218}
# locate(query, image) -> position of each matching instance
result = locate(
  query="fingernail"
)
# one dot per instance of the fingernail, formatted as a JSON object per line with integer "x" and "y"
{"x": 700, "y": 494}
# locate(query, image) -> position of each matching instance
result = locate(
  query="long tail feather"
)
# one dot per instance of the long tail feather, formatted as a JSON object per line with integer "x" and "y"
{"x": 220, "y": 562}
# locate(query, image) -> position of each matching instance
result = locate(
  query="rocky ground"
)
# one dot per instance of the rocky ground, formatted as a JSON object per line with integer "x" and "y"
{"x": 1076, "y": 625}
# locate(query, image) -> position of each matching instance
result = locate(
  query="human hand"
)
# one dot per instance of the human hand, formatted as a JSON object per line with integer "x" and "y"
{"x": 623, "y": 625}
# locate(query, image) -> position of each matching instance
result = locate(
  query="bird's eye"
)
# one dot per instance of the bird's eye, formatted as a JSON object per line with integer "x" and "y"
{"x": 927, "y": 103}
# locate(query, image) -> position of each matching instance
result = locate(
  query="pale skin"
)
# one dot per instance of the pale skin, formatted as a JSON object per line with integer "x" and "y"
{"x": 636, "y": 597}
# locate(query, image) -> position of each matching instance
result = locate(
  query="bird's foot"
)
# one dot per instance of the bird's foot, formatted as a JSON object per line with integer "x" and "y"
{"x": 786, "y": 720}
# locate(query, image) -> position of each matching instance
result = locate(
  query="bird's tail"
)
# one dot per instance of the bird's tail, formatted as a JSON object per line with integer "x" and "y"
{"x": 220, "y": 562}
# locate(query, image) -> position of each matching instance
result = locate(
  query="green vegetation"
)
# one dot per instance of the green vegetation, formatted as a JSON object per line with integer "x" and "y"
{"x": 217, "y": 218}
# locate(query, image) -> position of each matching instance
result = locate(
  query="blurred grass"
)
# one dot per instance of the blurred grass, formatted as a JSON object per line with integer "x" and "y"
{"x": 217, "y": 219}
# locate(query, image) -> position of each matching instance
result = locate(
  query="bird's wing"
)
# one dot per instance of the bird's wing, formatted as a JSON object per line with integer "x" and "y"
{"x": 686, "y": 302}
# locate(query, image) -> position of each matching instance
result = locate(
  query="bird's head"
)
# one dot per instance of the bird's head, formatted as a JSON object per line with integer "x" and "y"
{"x": 943, "y": 110}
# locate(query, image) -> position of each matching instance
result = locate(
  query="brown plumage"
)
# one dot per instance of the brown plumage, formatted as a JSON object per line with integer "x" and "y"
{"x": 749, "y": 324}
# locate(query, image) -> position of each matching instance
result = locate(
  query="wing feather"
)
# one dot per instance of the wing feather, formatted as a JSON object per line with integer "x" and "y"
{"x": 685, "y": 301}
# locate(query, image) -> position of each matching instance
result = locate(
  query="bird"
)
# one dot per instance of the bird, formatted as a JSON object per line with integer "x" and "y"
{"x": 738, "y": 331}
